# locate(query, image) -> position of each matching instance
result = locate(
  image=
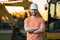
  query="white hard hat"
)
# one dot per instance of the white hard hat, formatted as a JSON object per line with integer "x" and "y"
{"x": 33, "y": 6}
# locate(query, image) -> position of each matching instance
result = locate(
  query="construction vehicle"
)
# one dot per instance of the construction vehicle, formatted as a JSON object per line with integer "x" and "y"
{"x": 53, "y": 28}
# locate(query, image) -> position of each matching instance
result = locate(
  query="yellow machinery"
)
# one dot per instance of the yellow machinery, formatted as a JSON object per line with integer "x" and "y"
{"x": 53, "y": 28}
{"x": 5, "y": 13}
{"x": 8, "y": 17}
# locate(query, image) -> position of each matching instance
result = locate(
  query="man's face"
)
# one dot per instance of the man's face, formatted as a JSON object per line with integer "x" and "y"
{"x": 33, "y": 12}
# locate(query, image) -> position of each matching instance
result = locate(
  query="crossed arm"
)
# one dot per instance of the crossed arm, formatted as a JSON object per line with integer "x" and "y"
{"x": 34, "y": 30}
{"x": 28, "y": 29}
{"x": 41, "y": 29}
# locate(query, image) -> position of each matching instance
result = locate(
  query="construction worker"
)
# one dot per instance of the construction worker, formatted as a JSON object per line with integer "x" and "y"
{"x": 34, "y": 25}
